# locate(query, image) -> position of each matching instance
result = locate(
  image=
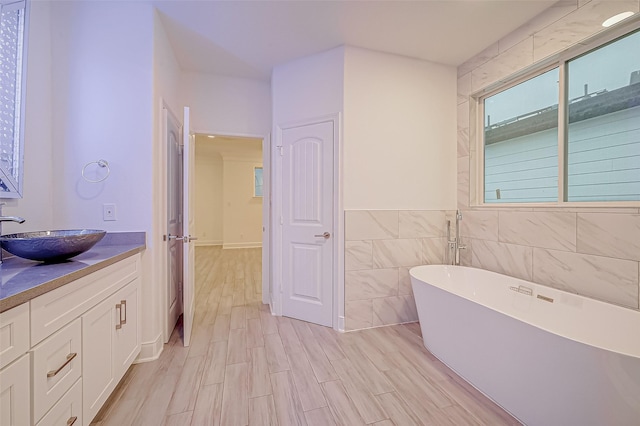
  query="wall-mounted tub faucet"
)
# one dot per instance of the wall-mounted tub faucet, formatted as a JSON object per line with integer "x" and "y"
{"x": 459, "y": 246}
{"x": 453, "y": 244}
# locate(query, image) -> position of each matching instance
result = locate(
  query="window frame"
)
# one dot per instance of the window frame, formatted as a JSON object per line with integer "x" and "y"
{"x": 559, "y": 60}
{"x": 16, "y": 188}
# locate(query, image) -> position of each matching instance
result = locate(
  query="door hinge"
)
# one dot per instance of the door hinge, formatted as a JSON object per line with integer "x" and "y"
{"x": 281, "y": 221}
{"x": 280, "y": 149}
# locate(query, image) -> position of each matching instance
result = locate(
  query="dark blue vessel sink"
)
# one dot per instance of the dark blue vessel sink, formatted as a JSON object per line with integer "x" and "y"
{"x": 51, "y": 246}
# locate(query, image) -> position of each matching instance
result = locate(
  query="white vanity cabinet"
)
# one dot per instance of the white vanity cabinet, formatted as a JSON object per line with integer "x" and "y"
{"x": 14, "y": 334}
{"x": 63, "y": 352}
{"x": 67, "y": 411}
{"x": 126, "y": 342}
{"x": 15, "y": 389}
{"x": 56, "y": 365}
{"x": 14, "y": 393}
{"x": 110, "y": 343}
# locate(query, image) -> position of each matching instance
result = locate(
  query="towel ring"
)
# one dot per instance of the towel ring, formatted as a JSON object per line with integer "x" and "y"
{"x": 101, "y": 163}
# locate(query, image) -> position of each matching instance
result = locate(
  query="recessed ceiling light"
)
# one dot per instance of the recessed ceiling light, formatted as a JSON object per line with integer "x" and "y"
{"x": 210, "y": 136}
{"x": 617, "y": 18}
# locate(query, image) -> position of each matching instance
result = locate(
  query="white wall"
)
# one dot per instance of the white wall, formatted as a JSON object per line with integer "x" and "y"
{"x": 208, "y": 197}
{"x": 227, "y": 105}
{"x": 399, "y": 133}
{"x": 166, "y": 70}
{"x": 102, "y": 93}
{"x": 242, "y": 214}
{"x": 399, "y": 123}
{"x": 308, "y": 87}
{"x": 36, "y": 206}
{"x": 102, "y": 73}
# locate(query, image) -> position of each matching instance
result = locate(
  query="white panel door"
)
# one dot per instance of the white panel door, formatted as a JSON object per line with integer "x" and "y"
{"x": 174, "y": 222}
{"x": 98, "y": 372}
{"x": 126, "y": 341}
{"x": 307, "y": 222}
{"x": 188, "y": 270}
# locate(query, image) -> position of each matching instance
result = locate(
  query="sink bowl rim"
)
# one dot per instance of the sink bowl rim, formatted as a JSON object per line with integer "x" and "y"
{"x": 50, "y": 234}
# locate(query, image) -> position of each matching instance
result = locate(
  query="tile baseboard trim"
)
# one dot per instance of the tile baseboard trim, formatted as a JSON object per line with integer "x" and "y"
{"x": 380, "y": 326}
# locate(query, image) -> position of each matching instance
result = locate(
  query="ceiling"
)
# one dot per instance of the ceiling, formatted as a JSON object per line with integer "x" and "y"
{"x": 248, "y": 38}
{"x": 228, "y": 146}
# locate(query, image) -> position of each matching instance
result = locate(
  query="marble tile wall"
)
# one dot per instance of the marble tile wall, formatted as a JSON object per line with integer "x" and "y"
{"x": 590, "y": 251}
{"x": 380, "y": 248}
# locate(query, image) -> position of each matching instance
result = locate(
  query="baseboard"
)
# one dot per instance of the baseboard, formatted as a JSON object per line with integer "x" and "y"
{"x": 380, "y": 326}
{"x": 208, "y": 243}
{"x": 242, "y": 245}
{"x": 150, "y": 351}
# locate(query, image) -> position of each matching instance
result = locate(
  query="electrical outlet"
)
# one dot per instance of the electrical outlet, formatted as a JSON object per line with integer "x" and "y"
{"x": 108, "y": 211}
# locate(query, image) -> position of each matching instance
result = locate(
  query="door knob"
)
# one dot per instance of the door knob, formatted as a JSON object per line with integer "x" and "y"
{"x": 324, "y": 235}
{"x": 175, "y": 237}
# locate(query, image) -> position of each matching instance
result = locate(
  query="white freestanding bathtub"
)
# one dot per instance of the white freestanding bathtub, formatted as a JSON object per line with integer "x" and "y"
{"x": 546, "y": 356}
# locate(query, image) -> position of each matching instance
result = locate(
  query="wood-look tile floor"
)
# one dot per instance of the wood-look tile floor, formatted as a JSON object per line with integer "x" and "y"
{"x": 247, "y": 367}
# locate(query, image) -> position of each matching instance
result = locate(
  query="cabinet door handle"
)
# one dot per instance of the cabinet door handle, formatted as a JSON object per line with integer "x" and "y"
{"x": 72, "y": 420}
{"x": 119, "y": 324}
{"x": 124, "y": 308}
{"x": 53, "y": 373}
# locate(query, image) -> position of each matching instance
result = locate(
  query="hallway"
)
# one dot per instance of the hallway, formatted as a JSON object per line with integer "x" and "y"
{"x": 247, "y": 367}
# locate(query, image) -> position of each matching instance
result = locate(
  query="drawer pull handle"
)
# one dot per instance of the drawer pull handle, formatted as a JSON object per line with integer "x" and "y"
{"x": 72, "y": 420}
{"x": 53, "y": 373}
{"x": 124, "y": 308}
{"x": 119, "y": 324}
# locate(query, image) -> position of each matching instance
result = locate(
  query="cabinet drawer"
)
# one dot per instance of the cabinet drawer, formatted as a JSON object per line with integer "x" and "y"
{"x": 57, "y": 365}
{"x": 14, "y": 334}
{"x": 67, "y": 411}
{"x": 58, "y": 307}
{"x": 15, "y": 409}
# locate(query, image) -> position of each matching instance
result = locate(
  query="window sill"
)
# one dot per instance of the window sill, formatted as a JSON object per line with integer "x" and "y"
{"x": 611, "y": 207}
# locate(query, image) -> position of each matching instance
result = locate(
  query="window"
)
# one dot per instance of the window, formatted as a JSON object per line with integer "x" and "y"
{"x": 521, "y": 142}
{"x": 568, "y": 133}
{"x": 257, "y": 182}
{"x": 603, "y": 143}
{"x": 12, "y": 91}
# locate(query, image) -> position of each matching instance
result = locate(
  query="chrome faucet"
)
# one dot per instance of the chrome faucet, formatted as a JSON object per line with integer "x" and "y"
{"x": 453, "y": 244}
{"x": 7, "y": 219}
{"x": 10, "y": 219}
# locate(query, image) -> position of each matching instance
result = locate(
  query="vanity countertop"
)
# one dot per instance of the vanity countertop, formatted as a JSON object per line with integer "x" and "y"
{"x": 22, "y": 280}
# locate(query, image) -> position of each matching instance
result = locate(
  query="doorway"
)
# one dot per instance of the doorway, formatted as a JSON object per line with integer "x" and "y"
{"x": 248, "y": 152}
{"x": 229, "y": 191}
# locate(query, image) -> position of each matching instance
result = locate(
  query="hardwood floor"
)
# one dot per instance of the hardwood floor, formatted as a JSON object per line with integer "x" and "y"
{"x": 247, "y": 367}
